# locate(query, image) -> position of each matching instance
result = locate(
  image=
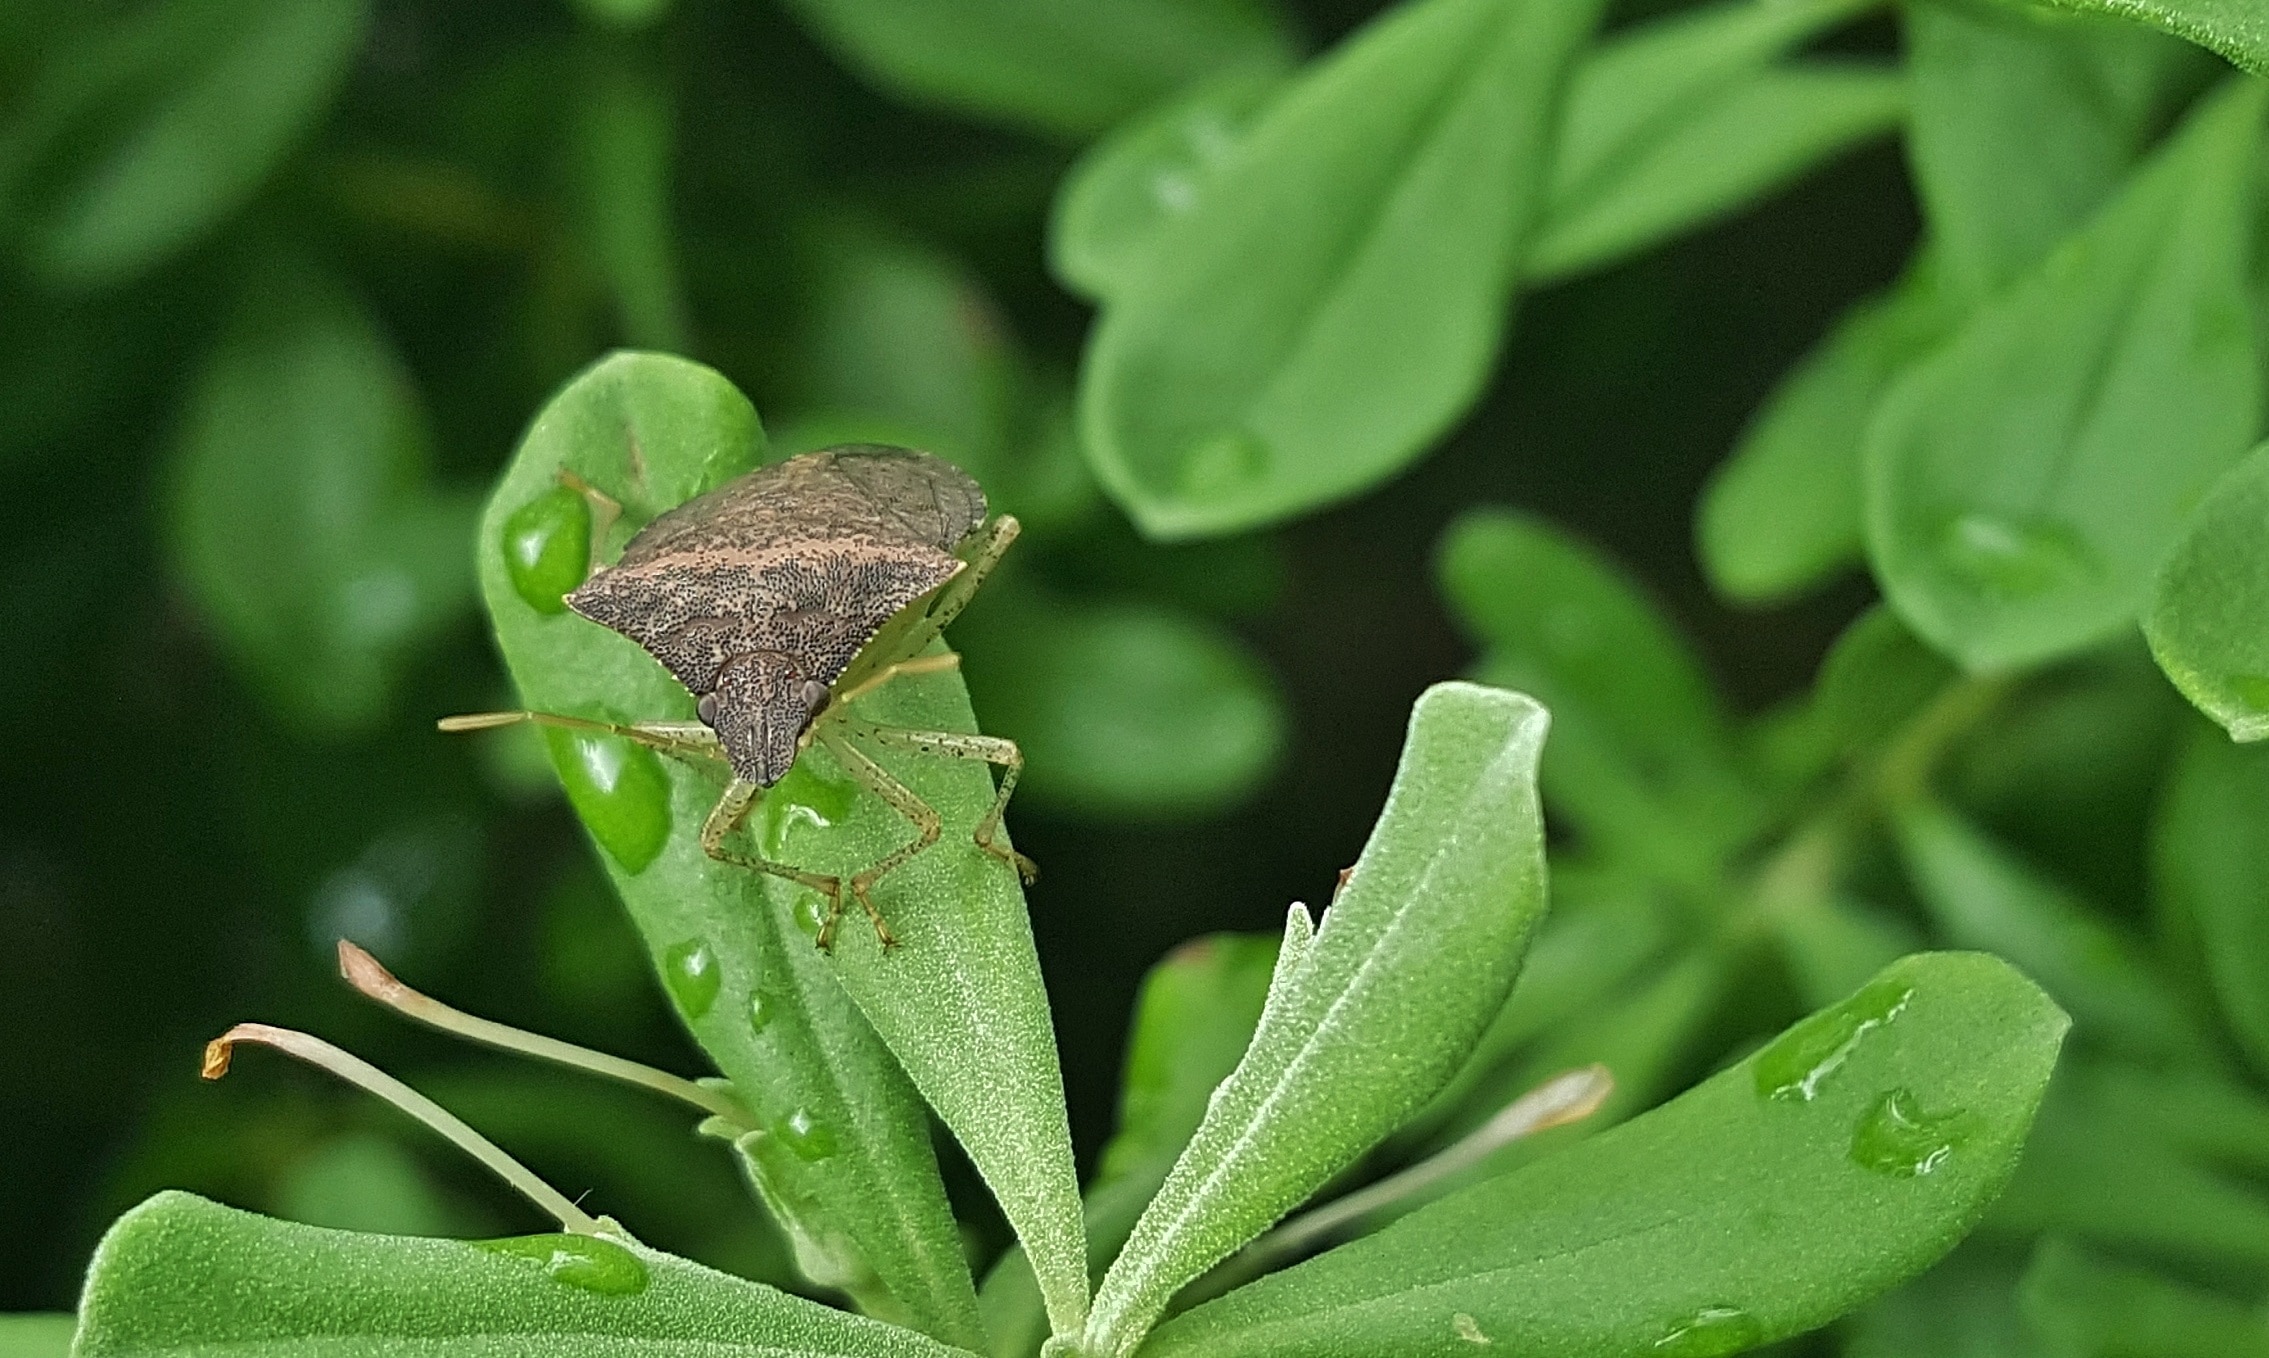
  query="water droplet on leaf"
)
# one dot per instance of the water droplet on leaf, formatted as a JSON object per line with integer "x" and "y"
{"x": 1799, "y": 1060}
{"x": 689, "y": 970}
{"x": 1898, "y": 1137}
{"x": 759, "y": 1011}
{"x": 1223, "y": 465}
{"x": 1711, "y": 1332}
{"x": 803, "y": 798}
{"x": 2009, "y": 559}
{"x": 547, "y": 548}
{"x": 810, "y": 912}
{"x": 583, "y": 1261}
{"x": 808, "y": 1137}
{"x": 620, "y": 791}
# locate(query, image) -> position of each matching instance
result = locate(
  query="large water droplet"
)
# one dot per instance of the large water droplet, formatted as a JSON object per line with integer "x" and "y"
{"x": 1899, "y": 1137}
{"x": 2010, "y": 559}
{"x": 583, "y": 1261}
{"x": 760, "y": 1011}
{"x": 803, "y": 798}
{"x": 1710, "y": 1332}
{"x": 1801, "y": 1059}
{"x": 620, "y": 791}
{"x": 689, "y": 971}
{"x": 1222, "y": 465}
{"x": 808, "y": 1137}
{"x": 547, "y": 548}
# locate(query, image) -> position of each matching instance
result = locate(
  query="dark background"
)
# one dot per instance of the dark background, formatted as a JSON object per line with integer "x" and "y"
{"x": 174, "y": 855}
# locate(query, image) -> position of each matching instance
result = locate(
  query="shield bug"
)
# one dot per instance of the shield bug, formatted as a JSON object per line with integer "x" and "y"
{"x": 781, "y": 596}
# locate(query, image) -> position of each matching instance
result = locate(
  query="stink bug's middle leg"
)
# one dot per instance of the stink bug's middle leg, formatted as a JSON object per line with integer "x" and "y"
{"x": 984, "y": 749}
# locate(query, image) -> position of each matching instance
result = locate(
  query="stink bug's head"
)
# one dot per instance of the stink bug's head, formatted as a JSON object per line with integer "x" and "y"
{"x": 761, "y": 708}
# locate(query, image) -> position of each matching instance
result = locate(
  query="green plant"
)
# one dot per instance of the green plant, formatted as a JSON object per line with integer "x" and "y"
{"x": 1384, "y": 1133}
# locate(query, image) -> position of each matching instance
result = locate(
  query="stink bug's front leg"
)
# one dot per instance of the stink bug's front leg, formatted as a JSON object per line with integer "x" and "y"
{"x": 905, "y": 801}
{"x": 741, "y": 797}
{"x": 985, "y": 749}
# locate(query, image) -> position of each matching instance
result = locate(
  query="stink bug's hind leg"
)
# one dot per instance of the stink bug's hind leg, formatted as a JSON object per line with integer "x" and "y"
{"x": 741, "y": 797}
{"x": 682, "y": 739}
{"x": 985, "y": 749}
{"x": 991, "y": 545}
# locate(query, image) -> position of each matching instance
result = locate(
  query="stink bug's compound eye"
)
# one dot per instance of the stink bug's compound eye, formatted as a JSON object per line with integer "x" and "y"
{"x": 706, "y": 709}
{"x": 814, "y": 694}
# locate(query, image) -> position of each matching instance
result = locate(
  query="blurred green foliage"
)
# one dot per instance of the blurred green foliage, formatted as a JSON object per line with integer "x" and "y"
{"x": 281, "y": 282}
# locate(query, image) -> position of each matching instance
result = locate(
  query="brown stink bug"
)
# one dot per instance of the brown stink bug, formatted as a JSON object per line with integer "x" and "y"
{"x": 779, "y": 597}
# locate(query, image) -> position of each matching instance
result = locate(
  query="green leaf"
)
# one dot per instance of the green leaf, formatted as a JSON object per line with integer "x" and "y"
{"x": 302, "y": 517}
{"x": 1984, "y": 898}
{"x": 1782, "y": 513}
{"x": 2025, "y": 122}
{"x": 28, "y": 1335}
{"x": 1126, "y": 709}
{"x": 1066, "y": 67}
{"x": 621, "y": 142}
{"x": 1842, "y": 1158}
{"x": 185, "y": 1276}
{"x": 2026, "y": 480}
{"x": 137, "y": 142}
{"x": 842, "y": 1151}
{"x": 1334, "y": 300}
{"x": 2237, "y": 29}
{"x": 2209, "y": 618}
{"x": 1192, "y": 1021}
{"x": 1680, "y": 121}
{"x": 1123, "y": 193}
{"x": 2212, "y": 861}
{"x": 1876, "y": 677}
{"x": 1640, "y": 759}
{"x": 1371, "y": 1016}
{"x": 1963, "y": 1307}
{"x": 2095, "y": 1309}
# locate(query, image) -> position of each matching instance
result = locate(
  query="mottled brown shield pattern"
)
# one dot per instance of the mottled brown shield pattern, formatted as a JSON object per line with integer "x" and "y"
{"x": 759, "y": 594}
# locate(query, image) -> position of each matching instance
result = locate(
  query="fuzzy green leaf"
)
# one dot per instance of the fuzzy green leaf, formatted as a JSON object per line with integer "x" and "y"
{"x": 2212, "y": 862}
{"x": 1371, "y": 1016}
{"x": 1782, "y": 513}
{"x": 303, "y": 521}
{"x": 1334, "y": 300}
{"x": 136, "y": 142}
{"x": 1066, "y": 67}
{"x": 1984, "y": 898}
{"x": 1640, "y": 758}
{"x": 2237, "y": 29}
{"x": 2209, "y": 620}
{"x": 841, "y": 1150}
{"x": 1677, "y": 122}
{"x": 1842, "y": 1158}
{"x": 1876, "y": 677}
{"x": 2024, "y": 123}
{"x": 30, "y": 1335}
{"x": 180, "y": 1275}
{"x": 2026, "y": 480}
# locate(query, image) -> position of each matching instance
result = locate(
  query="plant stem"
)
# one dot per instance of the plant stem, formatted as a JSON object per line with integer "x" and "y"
{"x": 356, "y": 1071}
{"x": 369, "y": 976}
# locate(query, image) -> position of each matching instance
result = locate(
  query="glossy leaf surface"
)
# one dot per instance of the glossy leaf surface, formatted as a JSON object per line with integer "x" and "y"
{"x": 1335, "y": 298}
{"x": 1845, "y": 1156}
{"x": 180, "y": 1275}
{"x": 1371, "y": 1017}
{"x": 841, "y": 1151}
{"x": 1069, "y": 67}
{"x": 138, "y": 140}
{"x": 2209, "y": 618}
{"x": 2212, "y": 860}
{"x": 303, "y": 517}
{"x": 2026, "y": 480}
{"x": 1782, "y": 513}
